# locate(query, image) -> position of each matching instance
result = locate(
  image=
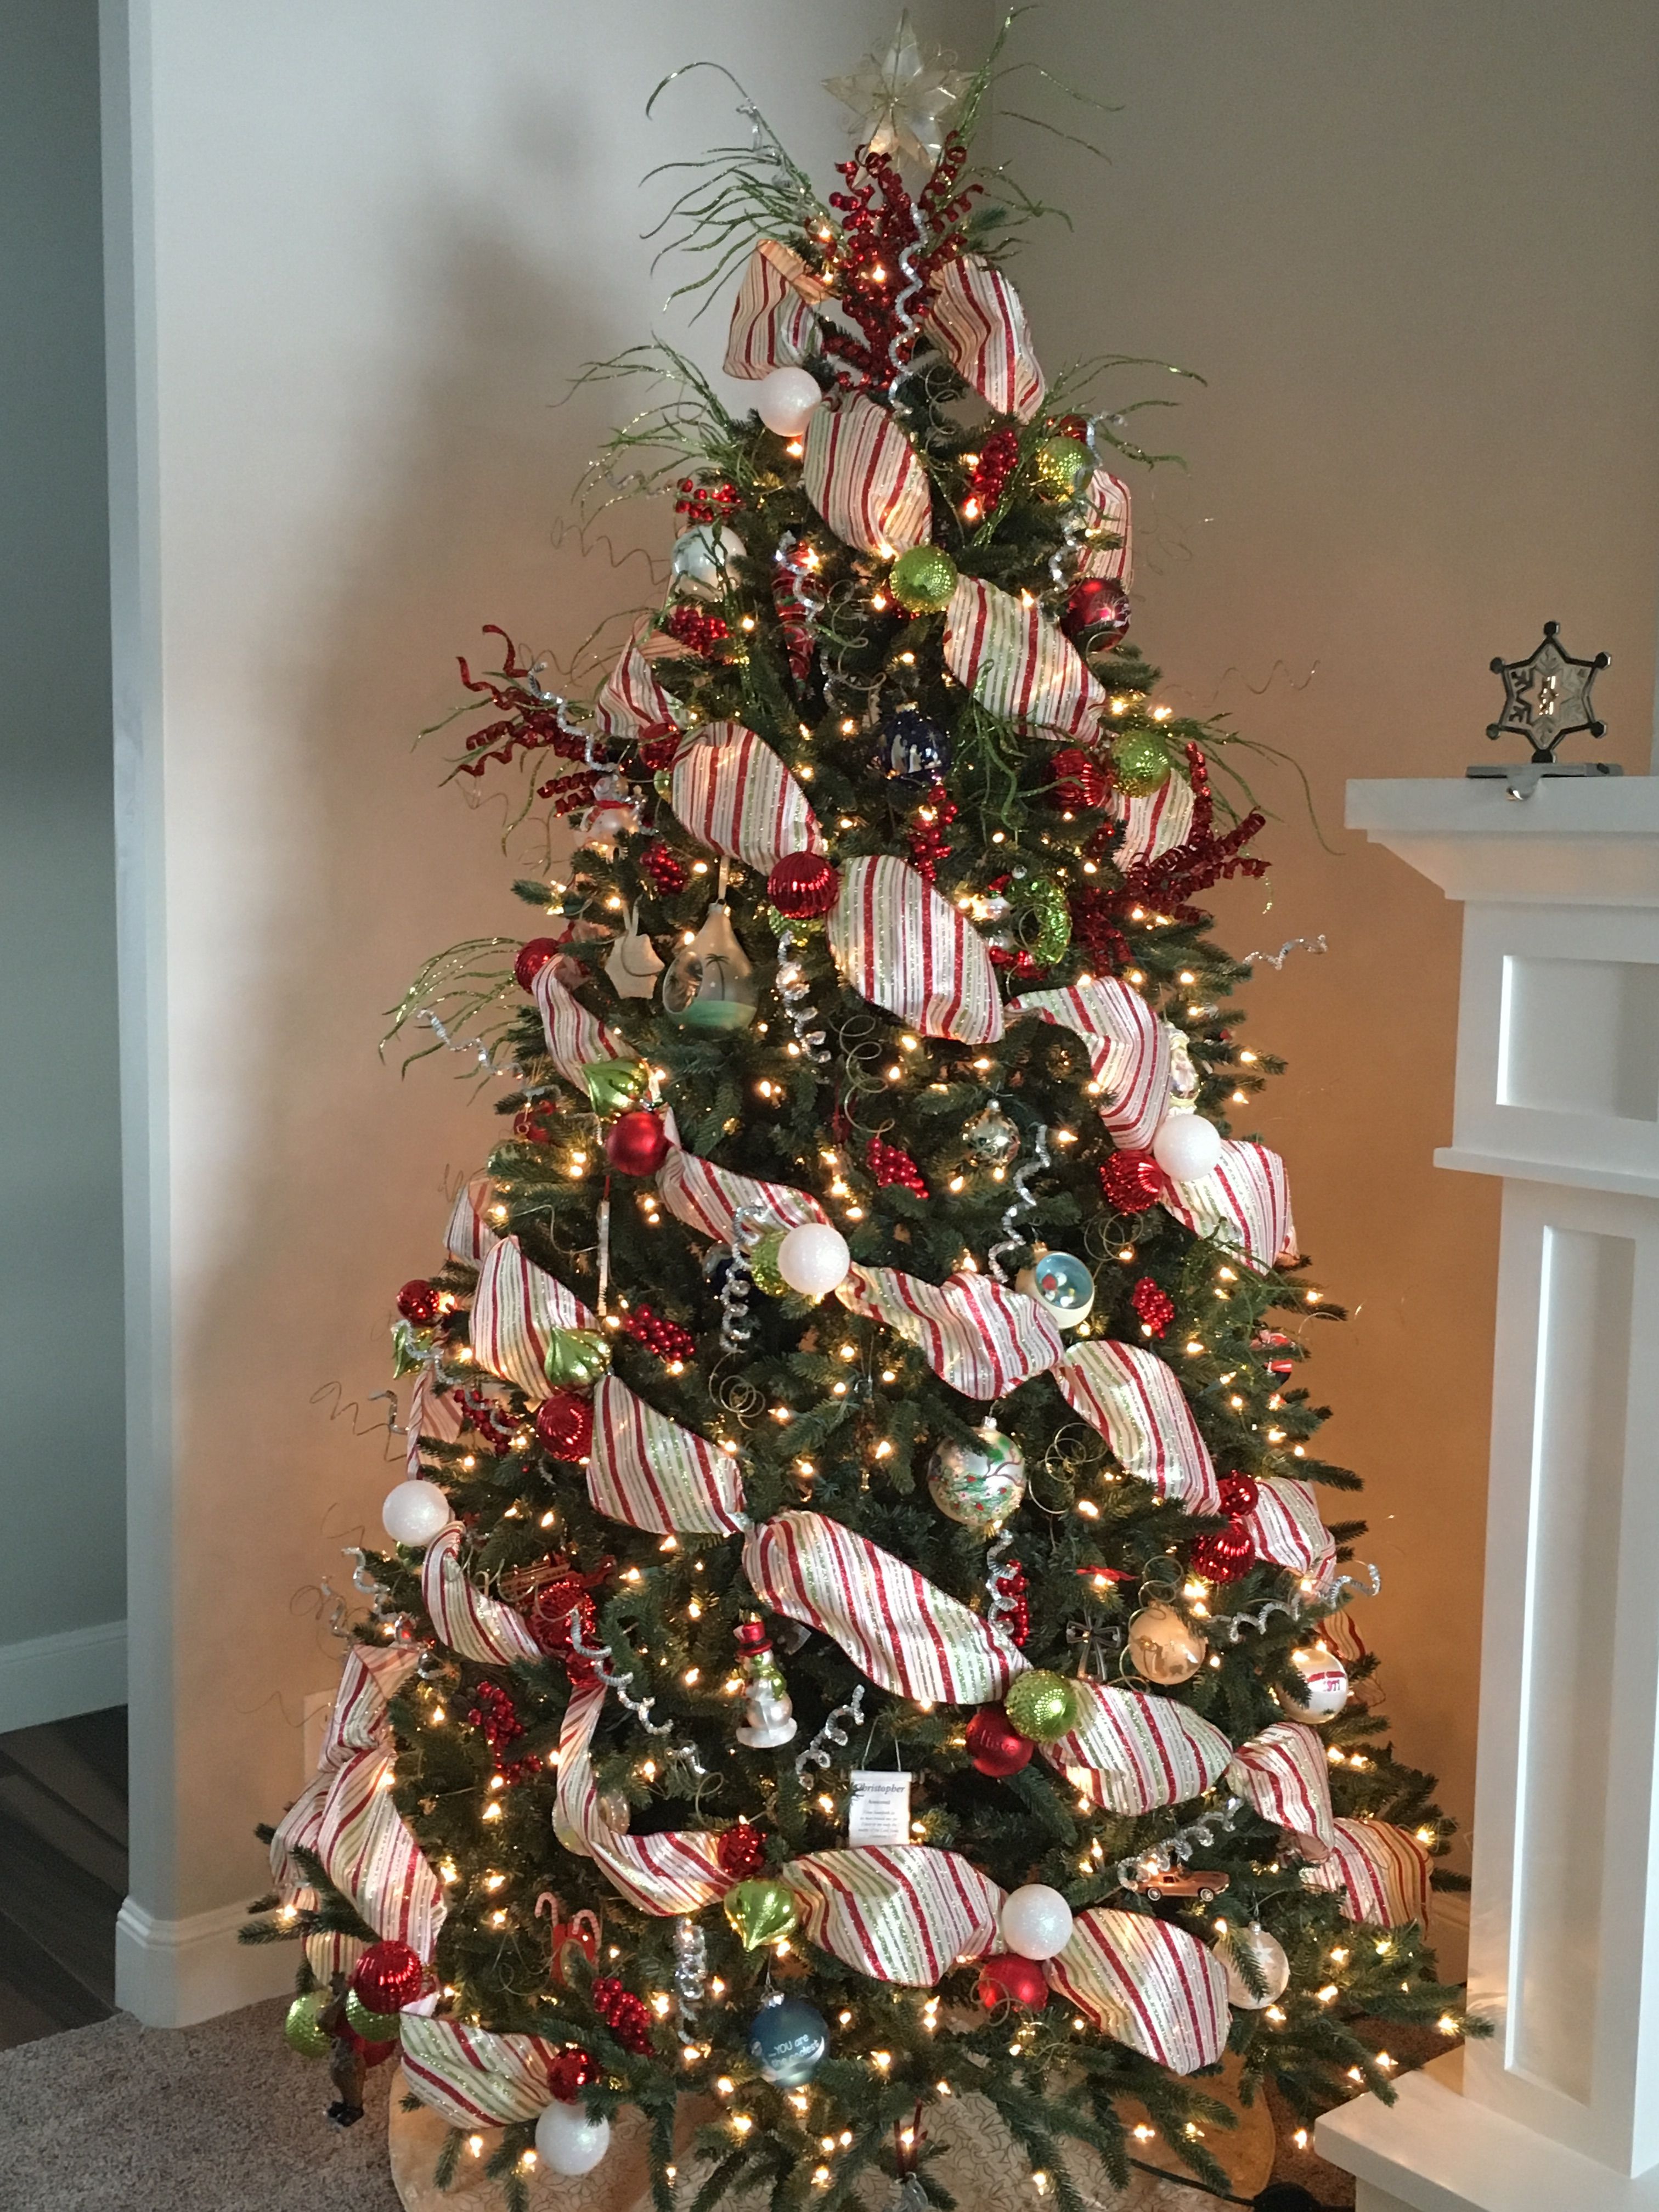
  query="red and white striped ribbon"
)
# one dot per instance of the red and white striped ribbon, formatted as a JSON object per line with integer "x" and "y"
{"x": 1157, "y": 820}
{"x": 1128, "y": 1051}
{"x": 647, "y": 1470}
{"x": 1245, "y": 1201}
{"x": 469, "y": 1235}
{"x": 474, "y": 2079}
{"x": 978, "y": 1337}
{"x": 1016, "y": 663}
{"x": 901, "y": 945}
{"x": 1147, "y": 1984}
{"x": 898, "y": 1628}
{"x": 1283, "y": 1773}
{"x": 904, "y": 1912}
{"x": 733, "y": 794}
{"x": 1340, "y": 1633}
{"x": 368, "y": 1853}
{"x": 299, "y": 1829}
{"x": 574, "y": 1037}
{"x": 1134, "y": 1753}
{"x": 468, "y": 1621}
{"x": 679, "y": 1871}
{"x": 1136, "y": 1403}
{"x": 1382, "y": 1872}
{"x": 632, "y": 704}
{"x": 433, "y": 1413}
{"x": 979, "y": 327}
{"x": 706, "y": 1198}
{"x": 516, "y": 1309}
{"x": 865, "y": 478}
{"x": 357, "y": 1719}
{"x": 773, "y": 325}
{"x": 1286, "y": 1527}
{"x": 1107, "y": 501}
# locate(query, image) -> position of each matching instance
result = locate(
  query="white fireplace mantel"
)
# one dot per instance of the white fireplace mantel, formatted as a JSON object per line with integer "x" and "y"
{"x": 1557, "y": 1093}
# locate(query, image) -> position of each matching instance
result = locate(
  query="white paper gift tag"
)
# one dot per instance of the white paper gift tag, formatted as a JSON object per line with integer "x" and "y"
{"x": 878, "y": 1811}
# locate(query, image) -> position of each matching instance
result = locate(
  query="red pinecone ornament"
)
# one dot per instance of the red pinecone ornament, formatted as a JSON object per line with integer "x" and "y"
{"x": 569, "y": 2072}
{"x": 420, "y": 1302}
{"x": 1080, "y": 783}
{"x": 665, "y": 868}
{"x": 627, "y": 2016}
{"x": 1154, "y": 1305}
{"x": 1131, "y": 1182}
{"x": 388, "y": 1976}
{"x": 802, "y": 886}
{"x": 741, "y": 1852}
{"x": 564, "y": 1425}
{"x": 995, "y": 1747}
{"x": 637, "y": 1142}
{"x": 1225, "y": 1555}
{"x": 534, "y": 956}
{"x": 1239, "y": 1494}
{"x": 892, "y": 1164}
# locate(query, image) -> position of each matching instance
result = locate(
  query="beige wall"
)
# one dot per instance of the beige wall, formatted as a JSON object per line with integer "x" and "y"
{"x": 1414, "y": 247}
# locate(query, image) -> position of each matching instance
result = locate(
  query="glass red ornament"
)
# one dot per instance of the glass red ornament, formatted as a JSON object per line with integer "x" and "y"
{"x": 388, "y": 1976}
{"x": 741, "y": 1851}
{"x": 995, "y": 1746}
{"x": 1096, "y": 615}
{"x": 569, "y": 2072}
{"x": 420, "y": 1302}
{"x": 548, "y": 1617}
{"x": 564, "y": 1425}
{"x": 1131, "y": 1182}
{"x": 1225, "y": 1555}
{"x": 534, "y": 956}
{"x": 1239, "y": 1494}
{"x": 637, "y": 1142}
{"x": 802, "y": 886}
{"x": 1005, "y": 1979}
{"x": 1079, "y": 782}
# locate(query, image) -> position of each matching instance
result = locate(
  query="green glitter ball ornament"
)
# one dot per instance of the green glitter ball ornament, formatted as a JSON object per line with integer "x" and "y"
{"x": 923, "y": 579}
{"x": 764, "y": 1263}
{"x": 373, "y": 2026}
{"x": 303, "y": 2030}
{"x": 1040, "y": 1706}
{"x": 1045, "y": 919}
{"x": 1062, "y": 466}
{"x": 1141, "y": 764}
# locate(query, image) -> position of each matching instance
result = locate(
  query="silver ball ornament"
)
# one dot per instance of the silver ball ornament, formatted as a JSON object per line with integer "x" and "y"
{"x": 978, "y": 1485}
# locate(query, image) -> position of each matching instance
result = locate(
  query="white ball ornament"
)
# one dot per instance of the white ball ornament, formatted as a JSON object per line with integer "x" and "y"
{"x": 1266, "y": 1955}
{"x": 814, "y": 1259}
{"x": 1037, "y": 1921}
{"x": 415, "y": 1512}
{"x": 784, "y": 400}
{"x": 567, "y": 2142}
{"x": 1186, "y": 1147}
{"x": 1323, "y": 1682}
{"x": 706, "y": 558}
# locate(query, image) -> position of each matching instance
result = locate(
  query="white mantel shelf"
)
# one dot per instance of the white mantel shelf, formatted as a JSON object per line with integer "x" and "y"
{"x": 1558, "y": 1095}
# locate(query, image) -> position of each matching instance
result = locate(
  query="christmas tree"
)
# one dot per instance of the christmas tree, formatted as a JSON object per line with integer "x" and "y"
{"x": 860, "y": 1632}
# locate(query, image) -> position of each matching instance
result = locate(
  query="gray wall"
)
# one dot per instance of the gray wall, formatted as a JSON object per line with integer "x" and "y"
{"x": 62, "y": 1503}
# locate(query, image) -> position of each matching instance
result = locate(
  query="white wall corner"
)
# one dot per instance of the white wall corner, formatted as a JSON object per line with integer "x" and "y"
{"x": 50, "y": 1678}
{"x": 171, "y": 1973}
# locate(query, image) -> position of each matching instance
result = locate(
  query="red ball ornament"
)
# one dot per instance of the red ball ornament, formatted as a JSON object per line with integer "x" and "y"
{"x": 1225, "y": 1555}
{"x": 374, "y": 2054}
{"x": 1131, "y": 1182}
{"x": 636, "y": 1143}
{"x": 1005, "y": 1979}
{"x": 1096, "y": 614}
{"x": 388, "y": 1976}
{"x": 569, "y": 2072}
{"x": 802, "y": 886}
{"x": 564, "y": 1425}
{"x": 1080, "y": 783}
{"x": 532, "y": 958}
{"x": 741, "y": 1852}
{"x": 1239, "y": 1494}
{"x": 420, "y": 1302}
{"x": 995, "y": 1747}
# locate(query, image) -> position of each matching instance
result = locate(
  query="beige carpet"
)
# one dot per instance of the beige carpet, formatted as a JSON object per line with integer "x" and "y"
{"x": 221, "y": 2117}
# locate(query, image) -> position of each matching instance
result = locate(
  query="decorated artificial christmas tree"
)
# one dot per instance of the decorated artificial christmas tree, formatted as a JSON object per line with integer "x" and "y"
{"x": 860, "y": 1633}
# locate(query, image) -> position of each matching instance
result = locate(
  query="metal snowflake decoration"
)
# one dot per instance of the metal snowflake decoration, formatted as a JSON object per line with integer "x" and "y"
{"x": 902, "y": 97}
{"x": 1547, "y": 696}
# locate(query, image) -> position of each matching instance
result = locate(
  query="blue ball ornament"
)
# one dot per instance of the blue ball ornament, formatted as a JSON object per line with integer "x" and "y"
{"x": 789, "y": 2041}
{"x": 913, "y": 749}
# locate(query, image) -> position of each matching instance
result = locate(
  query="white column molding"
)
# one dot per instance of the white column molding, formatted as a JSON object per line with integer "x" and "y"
{"x": 1557, "y": 1092}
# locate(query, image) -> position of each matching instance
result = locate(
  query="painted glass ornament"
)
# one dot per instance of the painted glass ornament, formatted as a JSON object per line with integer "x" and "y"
{"x": 759, "y": 1912}
{"x": 1141, "y": 764}
{"x": 991, "y": 1137}
{"x": 567, "y": 2142}
{"x": 1035, "y": 1921}
{"x": 913, "y": 750}
{"x": 709, "y": 984}
{"x": 994, "y": 1748}
{"x": 1266, "y": 1956}
{"x": 977, "y": 1485}
{"x": 1062, "y": 466}
{"x": 1005, "y": 1977}
{"x": 923, "y": 579}
{"x": 1319, "y": 1689}
{"x": 788, "y": 2041}
{"x": 1040, "y": 1705}
{"x": 302, "y": 2025}
{"x": 1062, "y": 1285}
{"x": 632, "y": 966}
{"x": 614, "y": 1810}
{"x": 769, "y": 1721}
{"x": 706, "y": 559}
{"x": 1164, "y": 1646}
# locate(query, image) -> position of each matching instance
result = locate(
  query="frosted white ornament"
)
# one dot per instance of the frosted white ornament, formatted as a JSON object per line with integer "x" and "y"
{"x": 1186, "y": 1147}
{"x": 1324, "y": 1685}
{"x": 784, "y": 399}
{"x": 706, "y": 558}
{"x": 1266, "y": 1954}
{"x": 1035, "y": 1921}
{"x": 567, "y": 2142}
{"x": 415, "y": 1512}
{"x": 814, "y": 1259}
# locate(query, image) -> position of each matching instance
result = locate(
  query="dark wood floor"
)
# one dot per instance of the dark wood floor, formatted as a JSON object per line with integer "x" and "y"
{"x": 63, "y": 1872}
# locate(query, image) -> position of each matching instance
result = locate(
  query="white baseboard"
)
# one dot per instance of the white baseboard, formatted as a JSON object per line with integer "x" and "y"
{"x": 51, "y": 1678}
{"x": 171, "y": 1973}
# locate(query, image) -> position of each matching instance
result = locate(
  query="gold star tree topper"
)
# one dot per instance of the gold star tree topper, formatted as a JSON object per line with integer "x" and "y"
{"x": 903, "y": 98}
